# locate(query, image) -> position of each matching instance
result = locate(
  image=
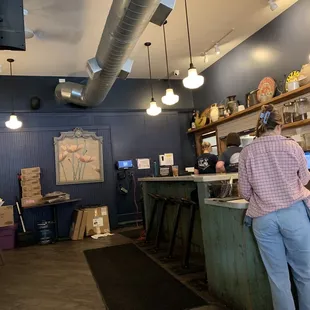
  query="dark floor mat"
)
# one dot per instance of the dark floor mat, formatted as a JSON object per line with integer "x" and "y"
{"x": 128, "y": 279}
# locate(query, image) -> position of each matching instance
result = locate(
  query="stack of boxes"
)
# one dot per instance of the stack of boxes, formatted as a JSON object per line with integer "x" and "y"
{"x": 31, "y": 187}
{"x": 7, "y": 228}
{"x": 89, "y": 222}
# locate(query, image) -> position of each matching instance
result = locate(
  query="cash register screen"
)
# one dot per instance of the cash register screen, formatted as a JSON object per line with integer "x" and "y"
{"x": 307, "y": 154}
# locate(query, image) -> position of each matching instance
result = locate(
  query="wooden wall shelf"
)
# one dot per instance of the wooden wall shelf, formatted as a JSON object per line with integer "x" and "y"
{"x": 284, "y": 97}
{"x": 297, "y": 124}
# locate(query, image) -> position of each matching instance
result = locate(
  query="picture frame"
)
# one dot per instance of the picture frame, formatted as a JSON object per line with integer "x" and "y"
{"x": 78, "y": 157}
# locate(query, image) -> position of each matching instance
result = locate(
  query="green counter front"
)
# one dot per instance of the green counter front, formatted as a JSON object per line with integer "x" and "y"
{"x": 234, "y": 268}
{"x": 180, "y": 187}
{"x": 235, "y": 271}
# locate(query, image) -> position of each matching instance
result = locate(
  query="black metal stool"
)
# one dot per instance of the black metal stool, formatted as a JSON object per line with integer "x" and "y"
{"x": 182, "y": 203}
{"x": 156, "y": 208}
{"x": 155, "y": 197}
{"x": 191, "y": 220}
{"x": 178, "y": 203}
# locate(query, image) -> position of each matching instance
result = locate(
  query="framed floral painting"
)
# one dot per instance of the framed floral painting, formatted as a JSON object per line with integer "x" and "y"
{"x": 78, "y": 157}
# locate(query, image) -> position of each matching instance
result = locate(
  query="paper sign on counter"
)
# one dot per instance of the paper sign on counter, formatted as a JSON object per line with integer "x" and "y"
{"x": 143, "y": 163}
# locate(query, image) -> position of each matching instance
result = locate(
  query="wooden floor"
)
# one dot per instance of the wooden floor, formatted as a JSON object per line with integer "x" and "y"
{"x": 55, "y": 277}
{"x": 52, "y": 277}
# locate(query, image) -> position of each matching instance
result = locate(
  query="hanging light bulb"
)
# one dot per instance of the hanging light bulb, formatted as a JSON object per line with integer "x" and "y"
{"x": 217, "y": 49}
{"x": 193, "y": 80}
{"x": 153, "y": 110}
{"x": 272, "y": 4}
{"x": 13, "y": 122}
{"x": 170, "y": 98}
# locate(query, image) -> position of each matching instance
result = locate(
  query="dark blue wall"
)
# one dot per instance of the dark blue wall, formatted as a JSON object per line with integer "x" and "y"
{"x": 277, "y": 49}
{"x": 128, "y": 133}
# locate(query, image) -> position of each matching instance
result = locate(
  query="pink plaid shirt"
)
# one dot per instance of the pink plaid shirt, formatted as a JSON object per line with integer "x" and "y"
{"x": 272, "y": 174}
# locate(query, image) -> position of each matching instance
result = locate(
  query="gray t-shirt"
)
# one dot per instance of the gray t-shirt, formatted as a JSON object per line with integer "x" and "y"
{"x": 231, "y": 158}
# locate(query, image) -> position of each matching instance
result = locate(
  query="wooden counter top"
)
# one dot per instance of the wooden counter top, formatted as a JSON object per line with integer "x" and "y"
{"x": 233, "y": 204}
{"x": 193, "y": 178}
{"x": 284, "y": 97}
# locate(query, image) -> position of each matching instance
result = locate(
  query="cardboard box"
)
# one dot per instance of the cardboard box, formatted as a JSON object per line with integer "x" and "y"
{"x": 31, "y": 201}
{"x": 83, "y": 225}
{"x": 6, "y": 216}
{"x": 30, "y": 182}
{"x": 31, "y": 194}
{"x": 32, "y": 186}
{"x": 28, "y": 171}
{"x": 31, "y": 177}
{"x": 31, "y": 190}
{"x": 76, "y": 223}
{"x": 97, "y": 219}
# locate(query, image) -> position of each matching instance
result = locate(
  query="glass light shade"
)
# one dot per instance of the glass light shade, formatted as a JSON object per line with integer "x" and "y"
{"x": 153, "y": 110}
{"x": 217, "y": 49}
{"x": 193, "y": 80}
{"x": 273, "y": 5}
{"x": 170, "y": 98}
{"x": 13, "y": 122}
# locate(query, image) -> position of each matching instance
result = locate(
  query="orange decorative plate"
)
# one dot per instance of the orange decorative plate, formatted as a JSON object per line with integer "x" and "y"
{"x": 266, "y": 89}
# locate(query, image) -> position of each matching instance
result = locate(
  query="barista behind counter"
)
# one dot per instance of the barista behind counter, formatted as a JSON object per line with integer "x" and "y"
{"x": 229, "y": 159}
{"x": 206, "y": 163}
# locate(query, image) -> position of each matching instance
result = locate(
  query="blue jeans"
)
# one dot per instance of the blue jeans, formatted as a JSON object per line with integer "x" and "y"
{"x": 283, "y": 238}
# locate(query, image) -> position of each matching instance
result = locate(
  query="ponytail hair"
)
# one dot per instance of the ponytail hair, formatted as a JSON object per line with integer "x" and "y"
{"x": 269, "y": 118}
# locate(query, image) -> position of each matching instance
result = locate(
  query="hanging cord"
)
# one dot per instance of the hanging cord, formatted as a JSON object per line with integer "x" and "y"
{"x": 11, "y": 74}
{"x": 166, "y": 52}
{"x": 150, "y": 69}
{"x": 188, "y": 35}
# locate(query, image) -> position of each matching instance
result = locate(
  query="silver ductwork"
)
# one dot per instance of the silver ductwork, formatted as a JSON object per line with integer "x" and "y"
{"x": 125, "y": 24}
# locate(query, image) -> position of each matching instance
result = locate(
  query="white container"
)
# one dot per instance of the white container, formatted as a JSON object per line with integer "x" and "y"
{"x": 214, "y": 113}
{"x": 292, "y": 85}
{"x": 241, "y": 108}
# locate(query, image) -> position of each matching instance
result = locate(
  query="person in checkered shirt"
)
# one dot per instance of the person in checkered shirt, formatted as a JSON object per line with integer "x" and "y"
{"x": 273, "y": 173}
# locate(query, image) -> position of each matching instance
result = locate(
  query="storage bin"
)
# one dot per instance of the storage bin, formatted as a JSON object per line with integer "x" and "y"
{"x": 7, "y": 237}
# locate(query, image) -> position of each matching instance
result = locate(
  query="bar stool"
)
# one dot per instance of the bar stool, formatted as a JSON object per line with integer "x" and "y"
{"x": 1, "y": 258}
{"x": 155, "y": 198}
{"x": 178, "y": 203}
{"x": 192, "y": 206}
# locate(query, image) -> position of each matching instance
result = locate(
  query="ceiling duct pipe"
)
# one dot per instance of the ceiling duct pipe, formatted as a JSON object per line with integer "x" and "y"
{"x": 125, "y": 24}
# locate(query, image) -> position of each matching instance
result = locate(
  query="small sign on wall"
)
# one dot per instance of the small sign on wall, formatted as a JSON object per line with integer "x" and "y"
{"x": 143, "y": 163}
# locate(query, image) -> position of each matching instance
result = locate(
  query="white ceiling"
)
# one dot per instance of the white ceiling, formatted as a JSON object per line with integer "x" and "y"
{"x": 69, "y": 32}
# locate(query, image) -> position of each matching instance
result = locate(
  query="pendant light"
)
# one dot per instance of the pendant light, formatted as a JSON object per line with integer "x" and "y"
{"x": 153, "y": 110}
{"x": 170, "y": 98}
{"x": 13, "y": 122}
{"x": 193, "y": 80}
{"x": 217, "y": 49}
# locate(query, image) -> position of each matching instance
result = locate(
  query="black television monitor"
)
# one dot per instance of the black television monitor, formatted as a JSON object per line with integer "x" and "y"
{"x": 12, "y": 29}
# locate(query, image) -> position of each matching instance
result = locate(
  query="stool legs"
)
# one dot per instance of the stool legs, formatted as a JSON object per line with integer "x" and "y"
{"x": 160, "y": 225}
{"x": 174, "y": 231}
{"x": 150, "y": 227}
{"x": 187, "y": 252}
{"x": 1, "y": 258}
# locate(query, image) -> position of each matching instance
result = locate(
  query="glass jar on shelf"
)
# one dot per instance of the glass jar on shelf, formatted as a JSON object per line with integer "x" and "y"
{"x": 288, "y": 112}
{"x": 300, "y": 109}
